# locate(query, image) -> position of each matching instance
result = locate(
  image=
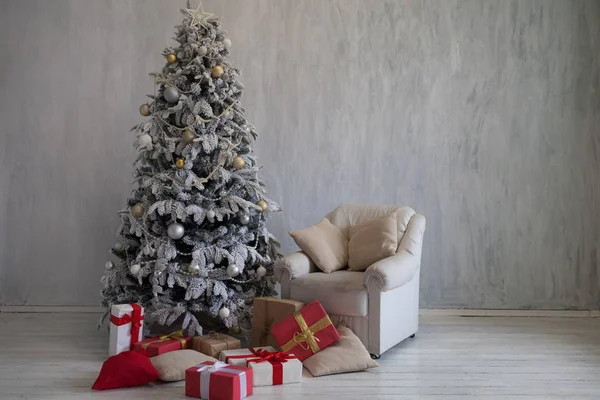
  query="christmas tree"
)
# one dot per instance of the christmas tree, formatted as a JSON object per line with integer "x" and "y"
{"x": 193, "y": 242}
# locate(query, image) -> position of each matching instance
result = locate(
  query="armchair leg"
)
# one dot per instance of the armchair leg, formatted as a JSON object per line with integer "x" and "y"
{"x": 375, "y": 356}
{"x": 412, "y": 336}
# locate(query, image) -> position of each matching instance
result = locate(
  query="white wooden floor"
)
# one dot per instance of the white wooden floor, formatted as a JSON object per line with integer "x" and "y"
{"x": 57, "y": 356}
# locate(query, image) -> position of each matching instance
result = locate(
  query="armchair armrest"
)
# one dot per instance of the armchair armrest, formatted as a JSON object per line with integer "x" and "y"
{"x": 392, "y": 272}
{"x": 395, "y": 271}
{"x": 293, "y": 266}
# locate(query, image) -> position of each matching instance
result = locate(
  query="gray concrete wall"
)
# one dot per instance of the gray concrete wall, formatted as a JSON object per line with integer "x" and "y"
{"x": 483, "y": 115}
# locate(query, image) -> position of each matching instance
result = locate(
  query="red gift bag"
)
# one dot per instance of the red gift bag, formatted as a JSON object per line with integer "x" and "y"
{"x": 306, "y": 332}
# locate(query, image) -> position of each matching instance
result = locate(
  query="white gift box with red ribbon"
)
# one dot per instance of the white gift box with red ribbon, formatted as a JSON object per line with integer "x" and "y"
{"x": 269, "y": 366}
{"x": 126, "y": 327}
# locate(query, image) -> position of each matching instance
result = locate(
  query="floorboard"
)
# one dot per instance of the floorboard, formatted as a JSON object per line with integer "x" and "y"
{"x": 58, "y": 356}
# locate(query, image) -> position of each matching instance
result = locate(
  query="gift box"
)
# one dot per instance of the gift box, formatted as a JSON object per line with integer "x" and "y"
{"x": 214, "y": 343}
{"x": 163, "y": 344}
{"x": 275, "y": 368}
{"x": 126, "y": 327}
{"x": 241, "y": 356}
{"x": 306, "y": 332}
{"x": 268, "y": 311}
{"x": 218, "y": 381}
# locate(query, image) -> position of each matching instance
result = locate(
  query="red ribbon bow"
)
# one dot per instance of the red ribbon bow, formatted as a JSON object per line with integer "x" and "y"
{"x": 266, "y": 355}
{"x": 135, "y": 319}
{"x": 275, "y": 359}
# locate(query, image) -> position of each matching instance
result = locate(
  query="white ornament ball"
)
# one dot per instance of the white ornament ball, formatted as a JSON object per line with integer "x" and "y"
{"x": 233, "y": 271}
{"x": 244, "y": 219}
{"x": 203, "y": 50}
{"x": 227, "y": 43}
{"x": 145, "y": 142}
{"x": 109, "y": 265}
{"x": 118, "y": 246}
{"x": 224, "y": 312}
{"x": 135, "y": 269}
{"x": 193, "y": 268}
{"x": 176, "y": 231}
{"x": 210, "y": 214}
{"x": 261, "y": 271}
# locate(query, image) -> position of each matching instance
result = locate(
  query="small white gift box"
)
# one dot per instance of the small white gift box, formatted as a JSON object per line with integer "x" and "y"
{"x": 126, "y": 327}
{"x": 269, "y": 367}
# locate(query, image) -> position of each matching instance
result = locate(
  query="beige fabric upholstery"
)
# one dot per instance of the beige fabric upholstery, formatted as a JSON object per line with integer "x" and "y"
{"x": 344, "y": 216}
{"x": 325, "y": 244}
{"x": 171, "y": 366}
{"x": 293, "y": 266}
{"x": 392, "y": 272}
{"x": 371, "y": 241}
{"x": 347, "y": 355}
{"x": 392, "y": 284}
{"x": 358, "y": 324}
{"x": 395, "y": 271}
{"x": 413, "y": 237}
{"x": 341, "y": 292}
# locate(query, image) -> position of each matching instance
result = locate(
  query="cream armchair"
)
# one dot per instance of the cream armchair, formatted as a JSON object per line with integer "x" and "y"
{"x": 381, "y": 304}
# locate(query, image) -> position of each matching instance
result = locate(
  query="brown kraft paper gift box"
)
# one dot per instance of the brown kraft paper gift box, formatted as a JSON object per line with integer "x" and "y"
{"x": 214, "y": 343}
{"x": 268, "y": 311}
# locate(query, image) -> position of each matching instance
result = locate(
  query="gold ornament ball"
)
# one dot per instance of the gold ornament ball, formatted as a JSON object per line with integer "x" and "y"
{"x": 180, "y": 163}
{"x": 171, "y": 58}
{"x": 263, "y": 205}
{"x": 145, "y": 110}
{"x": 188, "y": 136}
{"x": 239, "y": 162}
{"x": 137, "y": 211}
{"x": 217, "y": 71}
{"x": 236, "y": 330}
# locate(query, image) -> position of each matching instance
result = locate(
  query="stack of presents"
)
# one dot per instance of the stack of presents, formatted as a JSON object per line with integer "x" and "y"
{"x": 287, "y": 335}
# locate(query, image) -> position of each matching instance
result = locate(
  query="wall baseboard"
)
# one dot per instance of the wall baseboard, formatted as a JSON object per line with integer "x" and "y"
{"x": 51, "y": 309}
{"x": 426, "y": 312}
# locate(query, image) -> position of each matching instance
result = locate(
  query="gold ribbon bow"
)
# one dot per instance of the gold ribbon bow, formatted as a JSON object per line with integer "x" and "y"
{"x": 306, "y": 337}
{"x": 171, "y": 336}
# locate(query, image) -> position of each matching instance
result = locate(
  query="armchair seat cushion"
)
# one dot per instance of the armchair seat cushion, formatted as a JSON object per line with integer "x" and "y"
{"x": 340, "y": 292}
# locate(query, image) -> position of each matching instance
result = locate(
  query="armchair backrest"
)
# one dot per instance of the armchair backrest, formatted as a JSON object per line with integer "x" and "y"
{"x": 344, "y": 216}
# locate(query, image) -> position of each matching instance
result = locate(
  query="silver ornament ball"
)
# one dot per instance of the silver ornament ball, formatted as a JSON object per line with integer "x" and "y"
{"x": 203, "y": 50}
{"x": 171, "y": 94}
{"x": 109, "y": 265}
{"x": 224, "y": 312}
{"x": 227, "y": 43}
{"x": 233, "y": 271}
{"x": 210, "y": 214}
{"x": 176, "y": 231}
{"x": 193, "y": 268}
{"x": 118, "y": 246}
{"x": 261, "y": 271}
{"x": 244, "y": 219}
{"x": 135, "y": 269}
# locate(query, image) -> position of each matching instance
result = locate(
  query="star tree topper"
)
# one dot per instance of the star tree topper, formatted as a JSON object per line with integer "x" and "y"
{"x": 199, "y": 17}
